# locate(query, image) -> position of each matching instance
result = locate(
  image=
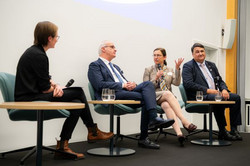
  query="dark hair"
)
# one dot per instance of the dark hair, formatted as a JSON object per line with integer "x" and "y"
{"x": 196, "y": 45}
{"x": 163, "y": 51}
{"x": 42, "y": 31}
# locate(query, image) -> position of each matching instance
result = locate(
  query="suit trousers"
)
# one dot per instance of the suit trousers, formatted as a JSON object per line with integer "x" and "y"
{"x": 219, "y": 111}
{"x": 145, "y": 93}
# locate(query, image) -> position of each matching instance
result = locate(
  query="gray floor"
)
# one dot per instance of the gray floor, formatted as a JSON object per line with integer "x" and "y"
{"x": 170, "y": 154}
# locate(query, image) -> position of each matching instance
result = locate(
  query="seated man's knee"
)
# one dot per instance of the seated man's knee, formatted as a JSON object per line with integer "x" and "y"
{"x": 148, "y": 83}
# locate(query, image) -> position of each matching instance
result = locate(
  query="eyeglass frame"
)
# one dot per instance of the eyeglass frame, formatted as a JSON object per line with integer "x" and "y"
{"x": 57, "y": 37}
{"x": 157, "y": 55}
{"x": 113, "y": 47}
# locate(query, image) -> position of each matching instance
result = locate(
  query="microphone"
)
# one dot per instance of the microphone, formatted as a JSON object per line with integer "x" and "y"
{"x": 69, "y": 83}
{"x": 159, "y": 66}
{"x": 216, "y": 79}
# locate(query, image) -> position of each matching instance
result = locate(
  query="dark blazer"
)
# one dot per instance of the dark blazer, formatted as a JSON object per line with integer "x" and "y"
{"x": 194, "y": 80}
{"x": 100, "y": 77}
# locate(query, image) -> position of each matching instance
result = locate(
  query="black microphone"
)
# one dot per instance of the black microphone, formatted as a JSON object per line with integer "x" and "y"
{"x": 159, "y": 68}
{"x": 216, "y": 79}
{"x": 70, "y": 83}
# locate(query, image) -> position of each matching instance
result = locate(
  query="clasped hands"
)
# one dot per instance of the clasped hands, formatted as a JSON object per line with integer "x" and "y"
{"x": 129, "y": 86}
{"x": 57, "y": 89}
{"x": 224, "y": 93}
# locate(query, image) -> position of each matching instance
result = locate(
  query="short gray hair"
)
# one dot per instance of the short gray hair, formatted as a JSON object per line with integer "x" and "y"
{"x": 103, "y": 44}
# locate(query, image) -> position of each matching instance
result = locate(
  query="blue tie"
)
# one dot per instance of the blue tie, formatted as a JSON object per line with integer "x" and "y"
{"x": 117, "y": 75}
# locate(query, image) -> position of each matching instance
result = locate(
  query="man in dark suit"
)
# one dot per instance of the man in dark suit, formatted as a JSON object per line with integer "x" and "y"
{"x": 201, "y": 75}
{"x": 103, "y": 74}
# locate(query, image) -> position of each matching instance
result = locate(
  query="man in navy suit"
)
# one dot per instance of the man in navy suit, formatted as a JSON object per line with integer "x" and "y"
{"x": 201, "y": 75}
{"x": 103, "y": 74}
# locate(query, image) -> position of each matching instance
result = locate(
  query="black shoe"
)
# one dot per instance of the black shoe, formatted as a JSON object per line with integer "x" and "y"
{"x": 146, "y": 143}
{"x": 181, "y": 139}
{"x": 225, "y": 135}
{"x": 236, "y": 134}
{"x": 159, "y": 123}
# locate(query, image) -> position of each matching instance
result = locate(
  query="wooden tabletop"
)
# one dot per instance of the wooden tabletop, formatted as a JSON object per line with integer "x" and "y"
{"x": 114, "y": 102}
{"x": 211, "y": 102}
{"x": 41, "y": 105}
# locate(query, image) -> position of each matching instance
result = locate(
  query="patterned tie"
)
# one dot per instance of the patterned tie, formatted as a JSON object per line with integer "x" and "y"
{"x": 208, "y": 78}
{"x": 117, "y": 75}
{"x": 163, "y": 84}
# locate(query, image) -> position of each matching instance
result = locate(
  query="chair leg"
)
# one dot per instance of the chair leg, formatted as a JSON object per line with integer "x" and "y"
{"x": 18, "y": 150}
{"x": 161, "y": 131}
{"x": 204, "y": 128}
{"x": 31, "y": 152}
{"x": 118, "y": 133}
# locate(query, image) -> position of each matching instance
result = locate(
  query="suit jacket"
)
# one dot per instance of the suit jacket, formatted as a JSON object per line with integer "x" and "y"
{"x": 173, "y": 78}
{"x": 194, "y": 80}
{"x": 100, "y": 77}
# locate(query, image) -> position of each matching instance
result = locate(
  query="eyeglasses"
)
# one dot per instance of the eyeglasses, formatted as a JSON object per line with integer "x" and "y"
{"x": 57, "y": 37}
{"x": 113, "y": 47}
{"x": 157, "y": 55}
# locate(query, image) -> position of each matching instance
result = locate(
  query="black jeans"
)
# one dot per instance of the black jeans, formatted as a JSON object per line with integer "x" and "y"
{"x": 72, "y": 94}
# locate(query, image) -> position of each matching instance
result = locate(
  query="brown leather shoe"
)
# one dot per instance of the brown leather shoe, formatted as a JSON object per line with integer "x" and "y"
{"x": 65, "y": 152}
{"x": 94, "y": 134}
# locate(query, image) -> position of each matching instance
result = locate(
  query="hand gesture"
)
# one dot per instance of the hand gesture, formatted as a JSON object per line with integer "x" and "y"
{"x": 178, "y": 63}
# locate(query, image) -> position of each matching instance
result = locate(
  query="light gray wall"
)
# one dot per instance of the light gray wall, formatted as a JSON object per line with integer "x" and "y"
{"x": 82, "y": 28}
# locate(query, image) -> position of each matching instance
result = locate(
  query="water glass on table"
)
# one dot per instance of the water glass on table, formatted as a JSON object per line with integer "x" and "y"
{"x": 218, "y": 96}
{"x": 105, "y": 94}
{"x": 199, "y": 96}
{"x": 108, "y": 94}
{"x": 112, "y": 94}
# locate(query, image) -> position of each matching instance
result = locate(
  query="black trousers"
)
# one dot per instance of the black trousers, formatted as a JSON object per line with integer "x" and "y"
{"x": 71, "y": 94}
{"x": 219, "y": 111}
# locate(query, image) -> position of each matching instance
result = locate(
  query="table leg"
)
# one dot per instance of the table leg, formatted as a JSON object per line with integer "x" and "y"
{"x": 111, "y": 127}
{"x": 210, "y": 123}
{"x": 39, "y": 137}
{"x": 211, "y": 141}
{"x": 111, "y": 151}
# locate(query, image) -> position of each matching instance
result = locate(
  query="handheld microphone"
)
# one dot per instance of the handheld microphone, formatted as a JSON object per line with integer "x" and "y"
{"x": 159, "y": 66}
{"x": 71, "y": 81}
{"x": 216, "y": 79}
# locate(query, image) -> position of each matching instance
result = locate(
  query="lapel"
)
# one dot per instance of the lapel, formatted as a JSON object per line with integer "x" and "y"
{"x": 103, "y": 65}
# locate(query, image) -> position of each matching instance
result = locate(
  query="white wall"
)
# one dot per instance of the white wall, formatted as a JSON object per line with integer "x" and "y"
{"x": 82, "y": 28}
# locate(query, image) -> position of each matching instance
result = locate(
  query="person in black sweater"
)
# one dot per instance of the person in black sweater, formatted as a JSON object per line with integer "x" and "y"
{"x": 34, "y": 83}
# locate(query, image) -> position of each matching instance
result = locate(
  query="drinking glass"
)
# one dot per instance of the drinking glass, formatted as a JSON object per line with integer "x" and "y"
{"x": 218, "y": 96}
{"x": 112, "y": 94}
{"x": 105, "y": 94}
{"x": 199, "y": 95}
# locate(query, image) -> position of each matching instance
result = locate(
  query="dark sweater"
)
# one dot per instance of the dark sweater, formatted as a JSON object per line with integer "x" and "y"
{"x": 32, "y": 75}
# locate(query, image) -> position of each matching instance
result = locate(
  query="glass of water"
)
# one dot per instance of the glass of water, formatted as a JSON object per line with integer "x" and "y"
{"x": 112, "y": 94}
{"x": 105, "y": 94}
{"x": 218, "y": 96}
{"x": 199, "y": 96}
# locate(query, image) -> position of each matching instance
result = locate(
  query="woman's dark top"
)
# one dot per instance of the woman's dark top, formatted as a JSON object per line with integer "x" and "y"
{"x": 32, "y": 75}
